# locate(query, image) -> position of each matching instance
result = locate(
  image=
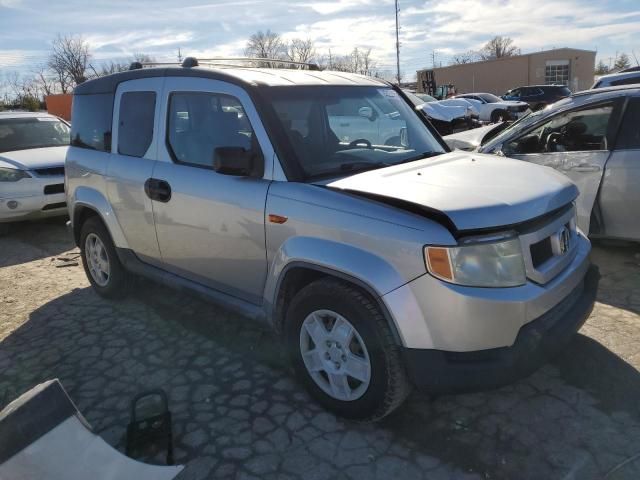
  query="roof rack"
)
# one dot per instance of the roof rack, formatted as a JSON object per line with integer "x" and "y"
{"x": 233, "y": 62}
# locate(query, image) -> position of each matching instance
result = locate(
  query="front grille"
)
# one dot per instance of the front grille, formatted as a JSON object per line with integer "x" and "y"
{"x": 541, "y": 252}
{"x": 57, "y": 188}
{"x": 53, "y": 206}
{"x": 49, "y": 172}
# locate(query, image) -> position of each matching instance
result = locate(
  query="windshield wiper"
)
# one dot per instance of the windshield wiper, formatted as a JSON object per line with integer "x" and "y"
{"x": 362, "y": 166}
{"x": 422, "y": 156}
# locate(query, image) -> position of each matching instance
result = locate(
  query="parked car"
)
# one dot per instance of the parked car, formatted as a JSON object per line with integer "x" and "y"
{"x": 494, "y": 109}
{"x": 446, "y": 118}
{"x": 32, "y": 153}
{"x": 617, "y": 79}
{"x": 538, "y": 96}
{"x": 594, "y": 139}
{"x": 379, "y": 266}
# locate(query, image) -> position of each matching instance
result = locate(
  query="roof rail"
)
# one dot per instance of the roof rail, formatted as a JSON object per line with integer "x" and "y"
{"x": 235, "y": 62}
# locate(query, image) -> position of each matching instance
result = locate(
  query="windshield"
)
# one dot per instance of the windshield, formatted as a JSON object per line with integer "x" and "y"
{"x": 425, "y": 97}
{"x": 32, "y": 132}
{"x": 489, "y": 97}
{"x": 335, "y": 130}
{"x": 414, "y": 98}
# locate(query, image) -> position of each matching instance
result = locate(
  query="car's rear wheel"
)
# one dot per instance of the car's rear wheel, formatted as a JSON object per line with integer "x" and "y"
{"x": 343, "y": 351}
{"x": 100, "y": 261}
{"x": 498, "y": 116}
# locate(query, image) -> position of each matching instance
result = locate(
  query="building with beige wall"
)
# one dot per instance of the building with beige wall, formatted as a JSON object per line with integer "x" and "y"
{"x": 567, "y": 66}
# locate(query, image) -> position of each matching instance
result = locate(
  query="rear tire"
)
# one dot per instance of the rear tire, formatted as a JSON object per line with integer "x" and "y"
{"x": 343, "y": 351}
{"x": 498, "y": 116}
{"x": 100, "y": 261}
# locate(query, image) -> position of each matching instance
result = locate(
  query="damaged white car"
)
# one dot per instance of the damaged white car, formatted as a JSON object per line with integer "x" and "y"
{"x": 592, "y": 137}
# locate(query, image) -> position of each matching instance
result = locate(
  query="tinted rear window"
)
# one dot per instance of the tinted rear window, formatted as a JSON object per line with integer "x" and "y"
{"x": 626, "y": 81}
{"x": 629, "y": 136}
{"x": 91, "y": 121}
{"x": 135, "y": 123}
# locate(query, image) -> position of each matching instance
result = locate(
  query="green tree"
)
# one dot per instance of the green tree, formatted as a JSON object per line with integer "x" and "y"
{"x": 30, "y": 103}
{"x": 601, "y": 68}
{"x": 622, "y": 62}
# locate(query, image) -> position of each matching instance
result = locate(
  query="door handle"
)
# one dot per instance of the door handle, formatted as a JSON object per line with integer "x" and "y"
{"x": 584, "y": 167}
{"x": 158, "y": 190}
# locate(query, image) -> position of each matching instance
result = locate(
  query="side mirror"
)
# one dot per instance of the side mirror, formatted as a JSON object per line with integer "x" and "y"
{"x": 233, "y": 161}
{"x": 367, "y": 112}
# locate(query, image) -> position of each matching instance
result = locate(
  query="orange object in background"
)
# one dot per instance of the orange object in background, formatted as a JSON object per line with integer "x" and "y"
{"x": 59, "y": 105}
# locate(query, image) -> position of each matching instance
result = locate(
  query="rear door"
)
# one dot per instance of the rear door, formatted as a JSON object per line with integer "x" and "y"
{"x": 620, "y": 191}
{"x": 134, "y": 152}
{"x": 577, "y": 143}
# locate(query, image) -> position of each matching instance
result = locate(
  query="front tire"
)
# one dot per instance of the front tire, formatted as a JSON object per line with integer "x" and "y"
{"x": 499, "y": 116}
{"x": 100, "y": 261}
{"x": 343, "y": 351}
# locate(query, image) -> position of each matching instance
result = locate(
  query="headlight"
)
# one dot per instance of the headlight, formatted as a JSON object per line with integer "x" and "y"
{"x": 12, "y": 175}
{"x": 486, "y": 263}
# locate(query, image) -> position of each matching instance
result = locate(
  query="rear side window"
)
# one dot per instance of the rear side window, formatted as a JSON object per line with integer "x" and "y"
{"x": 91, "y": 121}
{"x": 135, "y": 123}
{"x": 626, "y": 81}
{"x": 629, "y": 136}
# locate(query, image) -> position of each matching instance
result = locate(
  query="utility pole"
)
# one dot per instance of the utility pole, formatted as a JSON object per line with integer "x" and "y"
{"x": 179, "y": 55}
{"x": 397, "y": 43}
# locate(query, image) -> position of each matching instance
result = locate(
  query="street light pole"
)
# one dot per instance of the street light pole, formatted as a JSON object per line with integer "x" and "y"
{"x": 397, "y": 44}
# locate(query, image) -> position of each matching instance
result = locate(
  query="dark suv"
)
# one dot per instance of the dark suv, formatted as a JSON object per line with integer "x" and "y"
{"x": 538, "y": 96}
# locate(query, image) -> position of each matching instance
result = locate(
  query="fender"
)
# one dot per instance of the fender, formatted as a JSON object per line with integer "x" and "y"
{"x": 370, "y": 272}
{"x": 89, "y": 197}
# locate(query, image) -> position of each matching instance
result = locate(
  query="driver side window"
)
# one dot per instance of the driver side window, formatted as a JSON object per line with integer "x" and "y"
{"x": 575, "y": 131}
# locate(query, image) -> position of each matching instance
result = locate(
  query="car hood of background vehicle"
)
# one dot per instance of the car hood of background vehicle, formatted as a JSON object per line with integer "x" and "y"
{"x": 473, "y": 190}
{"x": 34, "y": 158}
{"x": 469, "y": 139}
{"x": 445, "y": 113}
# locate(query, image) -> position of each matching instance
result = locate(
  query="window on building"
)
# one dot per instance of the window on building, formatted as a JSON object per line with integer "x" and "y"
{"x": 557, "y": 73}
{"x": 135, "y": 123}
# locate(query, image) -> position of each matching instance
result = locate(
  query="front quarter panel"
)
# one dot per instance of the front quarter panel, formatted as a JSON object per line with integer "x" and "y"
{"x": 375, "y": 244}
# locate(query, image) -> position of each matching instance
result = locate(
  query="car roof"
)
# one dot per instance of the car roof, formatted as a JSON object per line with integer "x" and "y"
{"x": 19, "y": 114}
{"x": 244, "y": 76}
{"x": 618, "y": 75}
{"x": 613, "y": 91}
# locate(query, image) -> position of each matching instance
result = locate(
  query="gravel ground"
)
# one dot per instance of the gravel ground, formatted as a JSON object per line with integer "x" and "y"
{"x": 239, "y": 414}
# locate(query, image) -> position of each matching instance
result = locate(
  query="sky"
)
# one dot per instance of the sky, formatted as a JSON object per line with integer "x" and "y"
{"x": 117, "y": 29}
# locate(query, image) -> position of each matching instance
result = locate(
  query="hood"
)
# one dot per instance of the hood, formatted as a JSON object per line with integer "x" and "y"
{"x": 34, "y": 158}
{"x": 474, "y": 191}
{"x": 469, "y": 139}
{"x": 513, "y": 103}
{"x": 445, "y": 113}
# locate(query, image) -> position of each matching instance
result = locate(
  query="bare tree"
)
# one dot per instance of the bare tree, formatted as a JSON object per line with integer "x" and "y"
{"x": 143, "y": 58}
{"x": 70, "y": 60}
{"x": 45, "y": 81}
{"x": 465, "y": 57}
{"x": 499, "y": 47}
{"x": 265, "y": 45}
{"x": 358, "y": 61}
{"x": 298, "y": 50}
{"x": 601, "y": 68}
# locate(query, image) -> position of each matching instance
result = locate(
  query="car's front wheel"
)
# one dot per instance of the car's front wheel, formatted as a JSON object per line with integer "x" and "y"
{"x": 343, "y": 351}
{"x": 100, "y": 261}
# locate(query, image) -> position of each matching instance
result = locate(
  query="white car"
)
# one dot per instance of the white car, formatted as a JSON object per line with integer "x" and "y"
{"x": 33, "y": 147}
{"x": 445, "y": 117}
{"x": 494, "y": 109}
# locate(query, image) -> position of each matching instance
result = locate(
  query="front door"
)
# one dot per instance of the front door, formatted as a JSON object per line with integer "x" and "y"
{"x": 210, "y": 226}
{"x": 576, "y": 143}
{"x": 620, "y": 191}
